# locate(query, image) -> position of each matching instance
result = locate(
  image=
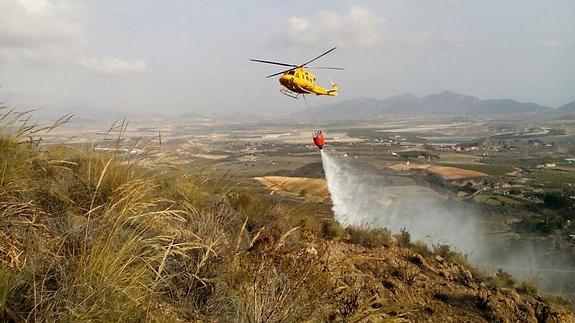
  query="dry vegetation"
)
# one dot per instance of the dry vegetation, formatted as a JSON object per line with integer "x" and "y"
{"x": 88, "y": 236}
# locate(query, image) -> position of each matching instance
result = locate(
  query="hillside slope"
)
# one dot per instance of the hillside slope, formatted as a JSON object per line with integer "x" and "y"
{"x": 89, "y": 236}
{"x": 567, "y": 108}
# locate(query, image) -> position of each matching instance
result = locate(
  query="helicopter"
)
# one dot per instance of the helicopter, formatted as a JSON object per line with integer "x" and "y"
{"x": 297, "y": 80}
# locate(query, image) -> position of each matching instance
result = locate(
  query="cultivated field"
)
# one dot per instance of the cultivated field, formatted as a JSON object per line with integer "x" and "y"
{"x": 312, "y": 189}
{"x": 447, "y": 173}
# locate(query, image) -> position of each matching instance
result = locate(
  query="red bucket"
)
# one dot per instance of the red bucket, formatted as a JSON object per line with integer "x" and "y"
{"x": 318, "y": 140}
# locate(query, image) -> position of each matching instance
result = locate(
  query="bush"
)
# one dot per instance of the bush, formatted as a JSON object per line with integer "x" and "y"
{"x": 403, "y": 238}
{"x": 502, "y": 279}
{"x": 332, "y": 229}
{"x": 421, "y": 248}
{"x": 371, "y": 238}
{"x": 307, "y": 222}
{"x": 527, "y": 287}
{"x": 444, "y": 250}
{"x": 556, "y": 201}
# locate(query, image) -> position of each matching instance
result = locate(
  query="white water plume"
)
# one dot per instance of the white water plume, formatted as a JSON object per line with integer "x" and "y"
{"x": 361, "y": 198}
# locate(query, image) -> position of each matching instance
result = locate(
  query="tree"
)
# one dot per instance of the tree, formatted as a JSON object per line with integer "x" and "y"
{"x": 555, "y": 201}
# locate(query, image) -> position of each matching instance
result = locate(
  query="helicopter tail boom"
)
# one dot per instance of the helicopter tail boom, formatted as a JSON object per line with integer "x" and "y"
{"x": 333, "y": 90}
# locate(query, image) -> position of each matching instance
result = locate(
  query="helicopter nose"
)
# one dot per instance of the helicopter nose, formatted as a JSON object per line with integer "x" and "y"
{"x": 285, "y": 79}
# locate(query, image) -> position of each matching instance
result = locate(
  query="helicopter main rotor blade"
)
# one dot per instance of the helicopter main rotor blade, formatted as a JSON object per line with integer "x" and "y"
{"x": 310, "y": 67}
{"x": 293, "y": 67}
{"x": 324, "y": 68}
{"x": 278, "y": 73}
{"x": 320, "y": 56}
{"x": 273, "y": 63}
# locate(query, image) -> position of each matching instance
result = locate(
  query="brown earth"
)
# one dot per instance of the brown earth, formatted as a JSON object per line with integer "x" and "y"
{"x": 433, "y": 289}
{"x": 446, "y": 172}
{"x": 313, "y": 189}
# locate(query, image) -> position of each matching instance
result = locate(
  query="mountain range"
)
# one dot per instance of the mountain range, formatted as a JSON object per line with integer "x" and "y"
{"x": 444, "y": 104}
{"x": 567, "y": 108}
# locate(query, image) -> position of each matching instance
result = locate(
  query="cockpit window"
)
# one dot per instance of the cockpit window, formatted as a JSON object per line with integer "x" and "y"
{"x": 291, "y": 72}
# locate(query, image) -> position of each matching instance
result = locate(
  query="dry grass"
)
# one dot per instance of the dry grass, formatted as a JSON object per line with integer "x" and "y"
{"x": 92, "y": 236}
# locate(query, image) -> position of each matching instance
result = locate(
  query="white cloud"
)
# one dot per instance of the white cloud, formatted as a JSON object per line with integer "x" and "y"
{"x": 51, "y": 33}
{"x": 114, "y": 65}
{"x": 357, "y": 26}
{"x": 40, "y": 23}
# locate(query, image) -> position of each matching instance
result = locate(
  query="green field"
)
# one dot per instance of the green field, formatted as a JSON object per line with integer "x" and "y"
{"x": 458, "y": 158}
{"x": 554, "y": 176}
{"x": 496, "y": 200}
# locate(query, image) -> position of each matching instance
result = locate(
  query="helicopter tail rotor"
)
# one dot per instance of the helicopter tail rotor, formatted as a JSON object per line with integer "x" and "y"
{"x": 334, "y": 88}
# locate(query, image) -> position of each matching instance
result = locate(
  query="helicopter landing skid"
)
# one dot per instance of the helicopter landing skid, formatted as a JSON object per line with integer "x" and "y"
{"x": 289, "y": 93}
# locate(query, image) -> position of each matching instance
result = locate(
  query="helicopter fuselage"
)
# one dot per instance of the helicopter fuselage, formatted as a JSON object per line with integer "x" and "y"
{"x": 301, "y": 81}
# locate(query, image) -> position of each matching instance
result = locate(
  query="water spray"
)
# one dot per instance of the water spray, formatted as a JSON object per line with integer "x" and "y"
{"x": 362, "y": 198}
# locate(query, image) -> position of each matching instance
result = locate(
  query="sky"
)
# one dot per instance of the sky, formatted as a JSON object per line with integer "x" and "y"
{"x": 177, "y": 56}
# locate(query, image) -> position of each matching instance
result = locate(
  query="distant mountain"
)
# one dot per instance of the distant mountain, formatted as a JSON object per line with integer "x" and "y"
{"x": 190, "y": 115}
{"x": 567, "y": 108}
{"x": 446, "y": 103}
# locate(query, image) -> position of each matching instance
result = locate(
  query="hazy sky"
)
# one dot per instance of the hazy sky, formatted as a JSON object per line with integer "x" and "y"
{"x": 192, "y": 56}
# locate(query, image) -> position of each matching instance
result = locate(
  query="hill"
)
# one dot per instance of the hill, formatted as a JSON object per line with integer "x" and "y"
{"x": 447, "y": 104}
{"x": 567, "y": 108}
{"x": 91, "y": 236}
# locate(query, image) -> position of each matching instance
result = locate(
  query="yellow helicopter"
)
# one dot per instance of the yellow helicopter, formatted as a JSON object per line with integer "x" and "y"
{"x": 298, "y": 81}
